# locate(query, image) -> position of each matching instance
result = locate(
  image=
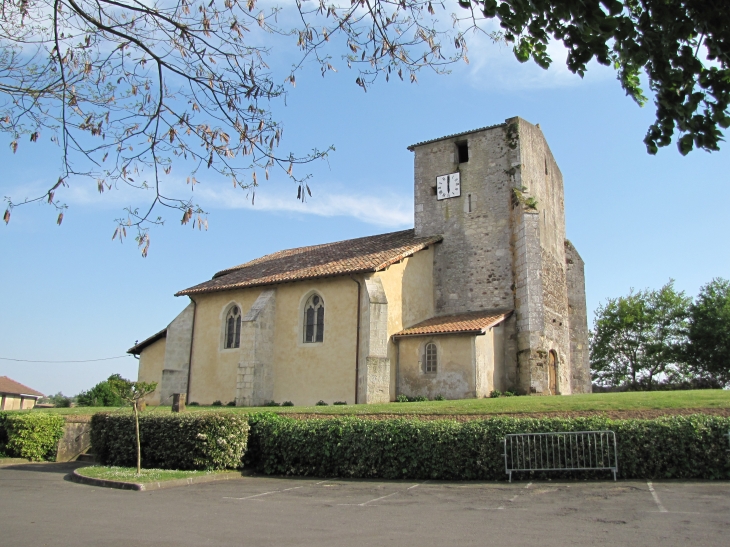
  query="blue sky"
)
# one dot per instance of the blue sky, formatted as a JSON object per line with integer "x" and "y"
{"x": 70, "y": 293}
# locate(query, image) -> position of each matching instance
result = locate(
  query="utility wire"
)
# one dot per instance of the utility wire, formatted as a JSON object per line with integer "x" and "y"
{"x": 85, "y": 361}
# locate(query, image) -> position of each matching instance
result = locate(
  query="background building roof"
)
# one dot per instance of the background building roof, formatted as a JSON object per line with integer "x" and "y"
{"x": 364, "y": 254}
{"x": 11, "y": 387}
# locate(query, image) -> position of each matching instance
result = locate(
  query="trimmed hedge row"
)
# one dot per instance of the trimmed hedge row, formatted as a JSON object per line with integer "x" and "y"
{"x": 30, "y": 435}
{"x": 173, "y": 441}
{"x": 678, "y": 447}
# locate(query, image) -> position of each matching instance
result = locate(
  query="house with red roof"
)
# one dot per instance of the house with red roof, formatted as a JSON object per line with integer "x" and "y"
{"x": 16, "y": 396}
{"x": 484, "y": 293}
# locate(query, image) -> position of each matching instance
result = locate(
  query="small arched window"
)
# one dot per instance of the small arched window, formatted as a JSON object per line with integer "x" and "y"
{"x": 431, "y": 359}
{"x": 314, "y": 319}
{"x": 233, "y": 328}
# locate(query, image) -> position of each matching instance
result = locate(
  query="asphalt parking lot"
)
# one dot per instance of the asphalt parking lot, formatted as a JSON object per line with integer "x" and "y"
{"x": 39, "y": 507}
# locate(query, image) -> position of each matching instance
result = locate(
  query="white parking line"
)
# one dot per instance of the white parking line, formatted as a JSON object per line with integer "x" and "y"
{"x": 262, "y": 494}
{"x": 662, "y": 509}
{"x": 369, "y": 501}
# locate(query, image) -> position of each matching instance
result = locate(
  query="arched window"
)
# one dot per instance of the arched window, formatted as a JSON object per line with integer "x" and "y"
{"x": 431, "y": 359}
{"x": 314, "y": 319}
{"x": 233, "y": 328}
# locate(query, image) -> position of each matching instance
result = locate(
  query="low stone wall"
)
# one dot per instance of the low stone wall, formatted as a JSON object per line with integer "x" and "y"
{"x": 76, "y": 438}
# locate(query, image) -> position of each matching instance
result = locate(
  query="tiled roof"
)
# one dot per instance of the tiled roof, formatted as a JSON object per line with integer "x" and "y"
{"x": 411, "y": 147}
{"x": 11, "y": 387}
{"x": 138, "y": 347}
{"x": 463, "y": 323}
{"x": 364, "y": 254}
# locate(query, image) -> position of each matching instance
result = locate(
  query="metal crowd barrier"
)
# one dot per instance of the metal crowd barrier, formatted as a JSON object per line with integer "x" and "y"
{"x": 560, "y": 451}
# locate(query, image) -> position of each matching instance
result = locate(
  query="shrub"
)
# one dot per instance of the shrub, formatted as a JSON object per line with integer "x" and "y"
{"x": 321, "y": 403}
{"x": 59, "y": 400}
{"x": 176, "y": 441}
{"x": 30, "y": 435}
{"x": 231, "y": 403}
{"x": 439, "y": 397}
{"x": 495, "y": 393}
{"x": 677, "y": 447}
{"x": 216, "y": 403}
{"x": 340, "y": 403}
{"x": 193, "y": 404}
{"x": 102, "y": 394}
{"x": 406, "y": 399}
{"x": 287, "y": 403}
{"x": 271, "y": 403}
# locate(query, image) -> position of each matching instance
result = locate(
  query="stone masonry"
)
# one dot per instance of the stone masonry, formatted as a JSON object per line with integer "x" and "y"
{"x": 255, "y": 381}
{"x": 373, "y": 383}
{"x": 502, "y": 250}
{"x": 177, "y": 355}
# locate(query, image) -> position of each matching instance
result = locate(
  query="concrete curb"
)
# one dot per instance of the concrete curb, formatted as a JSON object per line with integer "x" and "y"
{"x": 15, "y": 461}
{"x": 146, "y": 486}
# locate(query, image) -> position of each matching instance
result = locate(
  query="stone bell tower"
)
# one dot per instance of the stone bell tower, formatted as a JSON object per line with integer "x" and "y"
{"x": 495, "y": 194}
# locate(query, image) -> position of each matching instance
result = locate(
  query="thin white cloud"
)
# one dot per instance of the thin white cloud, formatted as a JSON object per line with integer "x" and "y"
{"x": 495, "y": 67}
{"x": 389, "y": 211}
{"x": 393, "y": 211}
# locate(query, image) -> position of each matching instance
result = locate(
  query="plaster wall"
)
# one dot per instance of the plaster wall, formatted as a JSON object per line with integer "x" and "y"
{"x": 490, "y": 361}
{"x": 455, "y": 377}
{"x": 214, "y": 369}
{"x": 307, "y": 373}
{"x": 409, "y": 290}
{"x": 151, "y": 363}
{"x": 16, "y": 402}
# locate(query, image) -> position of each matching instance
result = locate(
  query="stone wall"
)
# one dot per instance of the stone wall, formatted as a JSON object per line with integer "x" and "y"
{"x": 177, "y": 355}
{"x": 498, "y": 251}
{"x": 76, "y": 438}
{"x": 472, "y": 266}
{"x": 578, "y": 318}
{"x": 374, "y": 365}
{"x": 255, "y": 379}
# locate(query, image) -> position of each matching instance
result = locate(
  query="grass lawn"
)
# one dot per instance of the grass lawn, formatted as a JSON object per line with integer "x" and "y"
{"x": 641, "y": 400}
{"x": 129, "y": 474}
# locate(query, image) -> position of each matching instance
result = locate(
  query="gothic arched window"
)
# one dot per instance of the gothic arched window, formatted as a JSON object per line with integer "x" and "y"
{"x": 431, "y": 360}
{"x": 233, "y": 328}
{"x": 314, "y": 319}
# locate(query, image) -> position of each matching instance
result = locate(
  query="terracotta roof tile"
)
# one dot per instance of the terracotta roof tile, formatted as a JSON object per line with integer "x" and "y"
{"x": 12, "y": 387}
{"x": 364, "y": 254}
{"x": 463, "y": 323}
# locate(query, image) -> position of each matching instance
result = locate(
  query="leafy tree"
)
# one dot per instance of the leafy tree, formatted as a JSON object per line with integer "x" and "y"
{"x": 639, "y": 336}
{"x": 709, "y": 332}
{"x": 60, "y": 400}
{"x": 133, "y": 393}
{"x": 102, "y": 394}
{"x": 128, "y": 89}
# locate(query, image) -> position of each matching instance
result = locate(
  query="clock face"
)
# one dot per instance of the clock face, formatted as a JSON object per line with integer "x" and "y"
{"x": 448, "y": 186}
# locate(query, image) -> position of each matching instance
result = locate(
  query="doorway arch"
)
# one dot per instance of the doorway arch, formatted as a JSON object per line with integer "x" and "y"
{"x": 553, "y": 372}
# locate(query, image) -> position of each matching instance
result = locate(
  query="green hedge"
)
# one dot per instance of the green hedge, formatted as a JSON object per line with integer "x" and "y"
{"x": 678, "y": 447}
{"x": 172, "y": 441}
{"x": 30, "y": 435}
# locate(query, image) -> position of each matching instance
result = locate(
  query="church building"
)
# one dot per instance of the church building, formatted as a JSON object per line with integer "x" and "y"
{"x": 484, "y": 293}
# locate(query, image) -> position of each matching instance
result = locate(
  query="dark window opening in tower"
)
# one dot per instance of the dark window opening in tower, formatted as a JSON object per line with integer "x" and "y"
{"x": 463, "y": 150}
